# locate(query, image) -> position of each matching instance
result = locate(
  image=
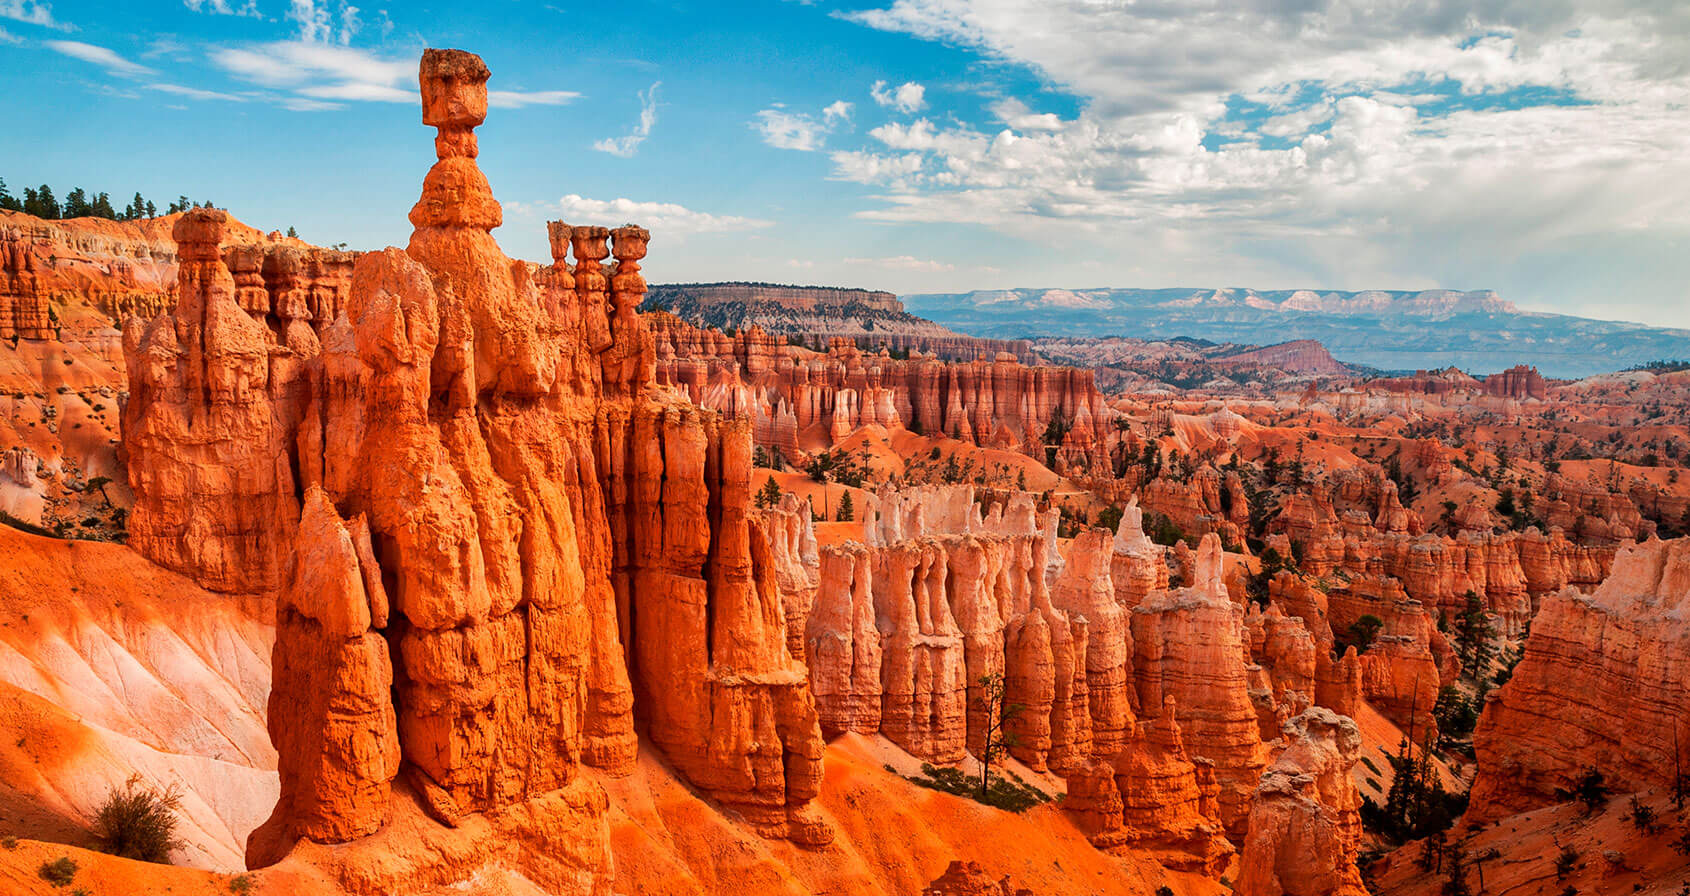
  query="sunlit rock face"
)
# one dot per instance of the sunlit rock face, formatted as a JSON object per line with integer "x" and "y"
{"x": 500, "y": 539}
{"x": 1603, "y": 684}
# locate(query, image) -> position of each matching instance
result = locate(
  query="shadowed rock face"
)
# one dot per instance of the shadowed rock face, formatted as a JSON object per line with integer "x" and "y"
{"x": 498, "y": 542}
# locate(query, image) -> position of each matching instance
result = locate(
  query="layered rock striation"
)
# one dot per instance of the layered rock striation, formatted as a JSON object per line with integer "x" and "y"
{"x": 499, "y": 541}
{"x": 1602, "y": 685}
{"x": 796, "y": 398}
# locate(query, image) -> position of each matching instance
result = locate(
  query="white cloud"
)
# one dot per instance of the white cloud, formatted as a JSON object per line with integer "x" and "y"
{"x": 512, "y": 99}
{"x": 908, "y": 97}
{"x": 8, "y": 38}
{"x": 195, "y": 93}
{"x": 318, "y": 76}
{"x": 785, "y": 129}
{"x": 100, "y": 56}
{"x": 1015, "y": 113}
{"x": 1395, "y": 155}
{"x": 792, "y": 130}
{"x": 658, "y": 217}
{"x": 629, "y": 144}
{"x": 320, "y": 24}
{"x": 248, "y": 9}
{"x": 905, "y": 263}
{"x": 32, "y": 12}
{"x": 875, "y": 168}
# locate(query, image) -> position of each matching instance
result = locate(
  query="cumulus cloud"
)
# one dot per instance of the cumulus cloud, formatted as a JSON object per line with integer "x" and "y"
{"x": 785, "y": 129}
{"x": 908, "y": 97}
{"x": 659, "y": 216}
{"x": 1344, "y": 139}
{"x": 100, "y": 56}
{"x": 32, "y": 12}
{"x": 626, "y": 146}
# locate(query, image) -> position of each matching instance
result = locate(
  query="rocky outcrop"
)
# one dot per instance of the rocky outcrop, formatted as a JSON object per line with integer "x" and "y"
{"x": 969, "y": 879}
{"x": 1153, "y": 797}
{"x": 207, "y": 430}
{"x": 1409, "y": 659}
{"x": 334, "y": 728}
{"x": 1188, "y": 645}
{"x": 1305, "y": 823}
{"x": 816, "y": 315}
{"x": 61, "y": 276}
{"x": 1602, "y": 684}
{"x": 791, "y": 531}
{"x": 1519, "y": 381}
{"x": 905, "y": 626}
{"x": 1137, "y": 565}
{"x": 796, "y": 298}
{"x": 787, "y": 392}
{"x": 554, "y": 545}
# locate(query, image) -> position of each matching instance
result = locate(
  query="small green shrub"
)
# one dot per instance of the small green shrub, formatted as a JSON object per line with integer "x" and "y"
{"x": 240, "y": 883}
{"x": 59, "y": 872}
{"x": 139, "y": 822}
{"x": 1010, "y": 793}
{"x": 9, "y": 842}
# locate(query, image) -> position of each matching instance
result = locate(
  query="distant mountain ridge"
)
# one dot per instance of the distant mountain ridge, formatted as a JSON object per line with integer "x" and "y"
{"x": 1476, "y": 330}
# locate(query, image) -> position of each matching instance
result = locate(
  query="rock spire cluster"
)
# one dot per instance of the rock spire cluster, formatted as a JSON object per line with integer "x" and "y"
{"x": 500, "y": 543}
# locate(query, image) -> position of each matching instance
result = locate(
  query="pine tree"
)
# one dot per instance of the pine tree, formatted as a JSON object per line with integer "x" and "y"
{"x": 136, "y": 209}
{"x": 46, "y": 205}
{"x": 846, "y": 511}
{"x": 76, "y": 204}
{"x": 101, "y": 207}
{"x": 152, "y": 210}
{"x": 7, "y": 200}
{"x": 1474, "y": 638}
{"x": 770, "y": 493}
{"x": 293, "y": 233}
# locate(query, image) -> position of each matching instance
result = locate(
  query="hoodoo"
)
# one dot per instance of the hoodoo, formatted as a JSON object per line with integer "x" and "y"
{"x": 502, "y": 544}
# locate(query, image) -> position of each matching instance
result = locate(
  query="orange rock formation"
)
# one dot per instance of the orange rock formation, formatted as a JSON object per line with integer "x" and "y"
{"x": 1602, "y": 685}
{"x": 456, "y": 464}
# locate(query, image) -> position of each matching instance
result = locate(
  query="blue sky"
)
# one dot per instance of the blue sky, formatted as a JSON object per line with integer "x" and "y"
{"x": 926, "y": 145}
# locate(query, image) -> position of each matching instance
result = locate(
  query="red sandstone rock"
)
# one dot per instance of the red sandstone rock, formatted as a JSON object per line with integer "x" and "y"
{"x": 1153, "y": 797}
{"x": 333, "y": 725}
{"x": 785, "y": 390}
{"x": 1138, "y": 565}
{"x": 1305, "y": 827}
{"x": 969, "y": 879}
{"x": 1189, "y": 645}
{"x": 207, "y": 427}
{"x": 544, "y": 519}
{"x": 1602, "y": 685}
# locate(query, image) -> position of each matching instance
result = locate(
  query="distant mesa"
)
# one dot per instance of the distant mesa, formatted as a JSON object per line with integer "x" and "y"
{"x": 816, "y": 315}
{"x": 1477, "y": 330}
{"x": 798, "y": 298}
